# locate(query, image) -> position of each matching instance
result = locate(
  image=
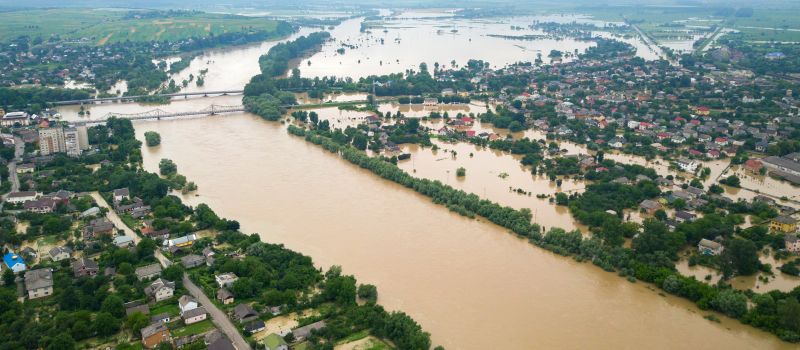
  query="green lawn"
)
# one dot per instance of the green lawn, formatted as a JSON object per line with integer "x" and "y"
{"x": 171, "y": 309}
{"x": 108, "y": 26}
{"x": 192, "y": 329}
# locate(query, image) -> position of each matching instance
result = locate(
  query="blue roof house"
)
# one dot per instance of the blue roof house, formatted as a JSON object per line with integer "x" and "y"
{"x": 14, "y": 262}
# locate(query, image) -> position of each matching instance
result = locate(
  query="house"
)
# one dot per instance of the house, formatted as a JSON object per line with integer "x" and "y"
{"x": 14, "y": 262}
{"x": 121, "y": 194}
{"x": 792, "y": 243}
{"x": 783, "y": 224}
{"x": 194, "y": 315}
{"x": 219, "y": 342}
{"x": 186, "y": 303}
{"x": 185, "y": 241}
{"x": 225, "y": 296}
{"x": 274, "y": 342}
{"x": 41, "y": 205}
{"x": 160, "y": 289}
{"x": 226, "y": 280}
{"x": 684, "y": 216}
{"x": 708, "y": 247}
{"x": 22, "y": 197}
{"x": 149, "y": 271}
{"x": 137, "y": 306}
{"x": 687, "y": 165}
{"x": 60, "y": 253}
{"x": 649, "y": 206}
{"x": 85, "y": 267}
{"x": 302, "y": 333}
{"x": 254, "y": 327}
{"x": 39, "y": 283}
{"x": 162, "y": 318}
{"x": 244, "y": 313}
{"x": 13, "y": 119}
{"x": 192, "y": 260}
{"x": 155, "y": 334}
{"x": 209, "y": 253}
{"x": 90, "y": 212}
{"x": 123, "y": 241}
{"x": 98, "y": 227}
{"x": 753, "y": 166}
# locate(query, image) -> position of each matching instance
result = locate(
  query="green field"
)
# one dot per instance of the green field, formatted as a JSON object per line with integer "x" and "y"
{"x": 108, "y": 26}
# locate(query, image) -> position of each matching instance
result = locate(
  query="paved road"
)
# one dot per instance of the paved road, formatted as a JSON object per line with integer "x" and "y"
{"x": 19, "y": 150}
{"x": 218, "y": 317}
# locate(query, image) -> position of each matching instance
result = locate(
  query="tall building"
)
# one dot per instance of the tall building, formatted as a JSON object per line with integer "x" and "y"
{"x": 51, "y": 140}
{"x": 76, "y": 140}
{"x": 73, "y": 140}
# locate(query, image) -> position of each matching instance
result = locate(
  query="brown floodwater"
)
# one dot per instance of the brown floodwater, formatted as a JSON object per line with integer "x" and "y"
{"x": 461, "y": 279}
{"x": 468, "y": 282}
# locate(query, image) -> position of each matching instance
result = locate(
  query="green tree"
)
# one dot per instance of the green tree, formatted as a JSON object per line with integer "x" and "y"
{"x": 106, "y": 324}
{"x": 113, "y": 305}
{"x": 731, "y": 303}
{"x": 62, "y": 341}
{"x": 368, "y": 292}
{"x": 152, "y": 138}
{"x": 136, "y": 321}
{"x": 167, "y": 167}
{"x": 740, "y": 257}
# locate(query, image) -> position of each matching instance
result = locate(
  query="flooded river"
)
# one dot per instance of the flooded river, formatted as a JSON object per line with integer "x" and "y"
{"x": 468, "y": 282}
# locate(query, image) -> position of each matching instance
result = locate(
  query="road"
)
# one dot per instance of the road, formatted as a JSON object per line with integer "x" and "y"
{"x": 19, "y": 150}
{"x": 218, "y": 317}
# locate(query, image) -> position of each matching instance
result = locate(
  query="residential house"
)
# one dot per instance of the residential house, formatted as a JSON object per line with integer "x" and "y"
{"x": 14, "y": 262}
{"x": 192, "y": 260}
{"x": 219, "y": 343}
{"x": 182, "y": 242}
{"x": 225, "y": 280}
{"x": 687, "y": 165}
{"x": 785, "y": 224}
{"x": 160, "y": 318}
{"x": 225, "y": 296}
{"x": 194, "y": 315}
{"x": 186, "y": 303}
{"x": 121, "y": 194}
{"x": 274, "y": 342}
{"x": 209, "y": 253}
{"x": 39, "y": 283}
{"x": 254, "y": 327}
{"x": 684, "y": 216}
{"x": 41, "y": 205}
{"x": 160, "y": 289}
{"x": 649, "y": 206}
{"x": 243, "y": 313}
{"x": 708, "y": 247}
{"x": 98, "y": 227}
{"x": 155, "y": 334}
{"x": 792, "y": 243}
{"x": 149, "y": 271}
{"x": 123, "y": 241}
{"x": 302, "y": 333}
{"x": 60, "y": 253}
{"x": 136, "y": 306}
{"x": 85, "y": 267}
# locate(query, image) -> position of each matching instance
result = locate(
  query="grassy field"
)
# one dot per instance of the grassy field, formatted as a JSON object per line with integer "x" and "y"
{"x": 194, "y": 328}
{"x": 108, "y": 26}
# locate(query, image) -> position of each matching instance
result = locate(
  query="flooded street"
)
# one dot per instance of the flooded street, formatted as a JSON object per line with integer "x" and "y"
{"x": 469, "y": 283}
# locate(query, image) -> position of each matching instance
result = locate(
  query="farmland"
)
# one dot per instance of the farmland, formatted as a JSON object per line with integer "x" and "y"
{"x": 104, "y": 26}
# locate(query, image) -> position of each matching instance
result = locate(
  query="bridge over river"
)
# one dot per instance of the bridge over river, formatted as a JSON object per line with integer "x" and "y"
{"x": 161, "y": 114}
{"x": 136, "y": 97}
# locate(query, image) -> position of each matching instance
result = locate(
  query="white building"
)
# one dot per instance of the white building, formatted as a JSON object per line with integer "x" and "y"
{"x": 15, "y": 118}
